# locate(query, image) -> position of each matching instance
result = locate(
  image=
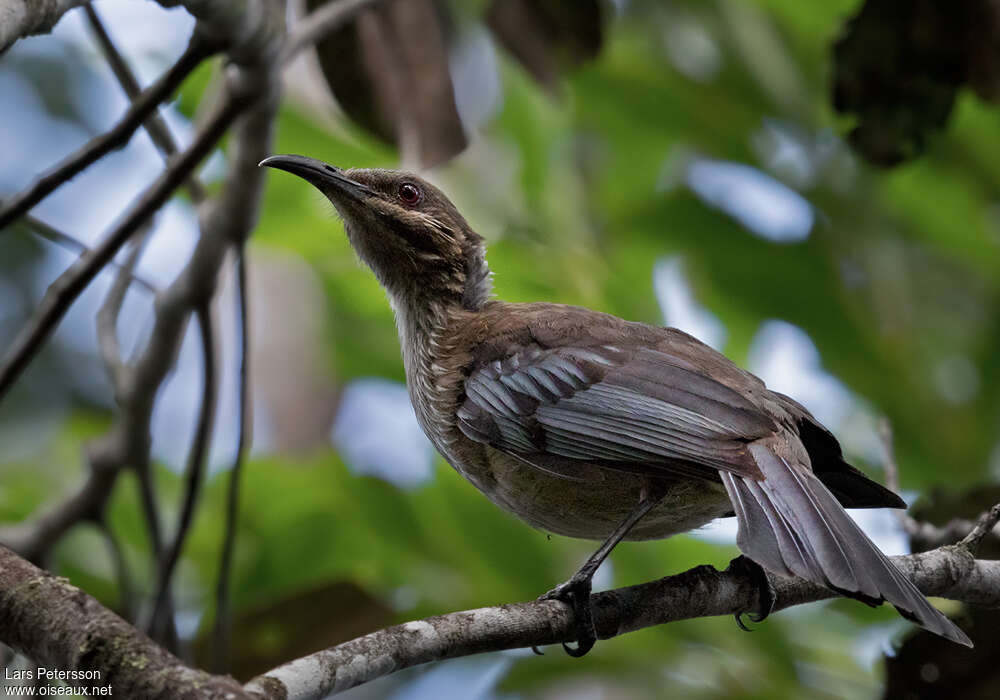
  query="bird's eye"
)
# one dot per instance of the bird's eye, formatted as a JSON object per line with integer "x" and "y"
{"x": 410, "y": 193}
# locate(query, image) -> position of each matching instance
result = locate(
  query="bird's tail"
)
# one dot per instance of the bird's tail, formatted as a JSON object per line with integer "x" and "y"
{"x": 791, "y": 524}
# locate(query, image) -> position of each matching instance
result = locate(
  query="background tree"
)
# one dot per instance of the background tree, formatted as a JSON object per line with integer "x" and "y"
{"x": 714, "y": 166}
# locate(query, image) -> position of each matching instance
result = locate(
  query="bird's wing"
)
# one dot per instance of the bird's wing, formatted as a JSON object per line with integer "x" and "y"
{"x": 632, "y": 409}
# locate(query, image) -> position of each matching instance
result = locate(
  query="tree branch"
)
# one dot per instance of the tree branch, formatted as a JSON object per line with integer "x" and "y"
{"x": 155, "y": 126}
{"x": 107, "y": 320}
{"x": 138, "y": 112}
{"x": 57, "y": 625}
{"x": 221, "y": 626}
{"x": 36, "y": 537}
{"x": 71, "y": 283}
{"x": 703, "y": 591}
{"x": 923, "y": 535}
{"x": 64, "y": 240}
{"x": 195, "y": 472}
{"x": 126, "y": 589}
{"x": 319, "y": 23}
{"x": 984, "y": 526}
{"x": 252, "y": 32}
{"x": 21, "y": 18}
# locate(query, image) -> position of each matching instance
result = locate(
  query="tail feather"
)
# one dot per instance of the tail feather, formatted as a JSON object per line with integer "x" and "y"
{"x": 790, "y": 523}
{"x": 753, "y": 518}
{"x": 793, "y": 548}
{"x": 790, "y": 491}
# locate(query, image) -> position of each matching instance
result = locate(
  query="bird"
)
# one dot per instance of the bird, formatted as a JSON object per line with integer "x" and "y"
{"x": 590, "y": 426}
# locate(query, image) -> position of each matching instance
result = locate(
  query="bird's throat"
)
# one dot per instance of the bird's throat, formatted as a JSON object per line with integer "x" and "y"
{"x": 418, "y": 321}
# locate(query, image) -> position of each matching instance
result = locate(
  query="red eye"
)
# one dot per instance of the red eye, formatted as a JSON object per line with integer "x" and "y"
{"x": 409, "y": 193}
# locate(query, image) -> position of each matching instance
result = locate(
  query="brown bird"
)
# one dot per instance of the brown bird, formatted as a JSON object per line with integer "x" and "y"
{"x": 589, "y": 426}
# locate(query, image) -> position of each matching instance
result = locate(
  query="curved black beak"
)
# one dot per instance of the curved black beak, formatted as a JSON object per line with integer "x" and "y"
{"x": 327, "y": 178}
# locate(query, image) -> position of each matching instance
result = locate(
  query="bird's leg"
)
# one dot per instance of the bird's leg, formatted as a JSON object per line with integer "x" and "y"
{"x": 576, "y": 591}
{"x": 765, "y": 591}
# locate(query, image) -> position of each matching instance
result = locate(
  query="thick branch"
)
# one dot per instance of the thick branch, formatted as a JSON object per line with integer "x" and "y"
{"x": 21, "y": 18}
{"x": 700, "y": 592}
{"x": 56, "y": 624}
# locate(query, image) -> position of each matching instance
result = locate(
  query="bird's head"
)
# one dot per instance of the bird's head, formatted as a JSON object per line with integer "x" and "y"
{"x": 406, "y": 230}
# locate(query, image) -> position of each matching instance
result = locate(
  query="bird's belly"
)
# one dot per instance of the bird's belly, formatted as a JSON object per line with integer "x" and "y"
{"x": 591, "y": 509}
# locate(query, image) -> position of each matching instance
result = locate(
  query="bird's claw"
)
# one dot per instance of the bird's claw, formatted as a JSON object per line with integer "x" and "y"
{"x": 765, "y": 591}
{"x": 576, "y": 594}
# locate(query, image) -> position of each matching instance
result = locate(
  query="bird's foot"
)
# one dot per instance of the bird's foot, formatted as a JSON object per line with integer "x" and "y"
{"x": 576, "y": 594}
{"x": 765, "y": 591}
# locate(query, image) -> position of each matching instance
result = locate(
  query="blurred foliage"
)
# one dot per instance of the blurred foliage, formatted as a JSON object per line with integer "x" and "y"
{"x": 900, "y": 65}
{"x": 924, "y": 666}
{"x": 898, "y": 285}
{"x": 389, "y": 70}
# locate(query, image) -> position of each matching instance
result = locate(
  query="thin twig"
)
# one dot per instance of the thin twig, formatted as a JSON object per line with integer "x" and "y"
{"x": 221, "y": 628}
{"x": 126, "y": 590}
{"x": 64, "y": 240}
{"x": 64, "y": 291}
{"x": 107, "y": 317}
{"x": 987, "y": 521}
{"x": 891, "y": 466}
{"x": 151, "y": 512}
{"x": 157, "y": 128}
{"x": 195, "y": 471}
{"x": 929, "y": 536}
{"x": 34, "y": 539}
{"x": 150, "y": 507}
{"x": 251, "y": 89}
{"x": 321, "y": 22}
{"x": 924, "y": 535}
{"x": 197, "y": 50}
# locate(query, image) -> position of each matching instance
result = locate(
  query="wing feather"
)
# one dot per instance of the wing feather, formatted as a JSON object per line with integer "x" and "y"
{"x": 638, "y": 411}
